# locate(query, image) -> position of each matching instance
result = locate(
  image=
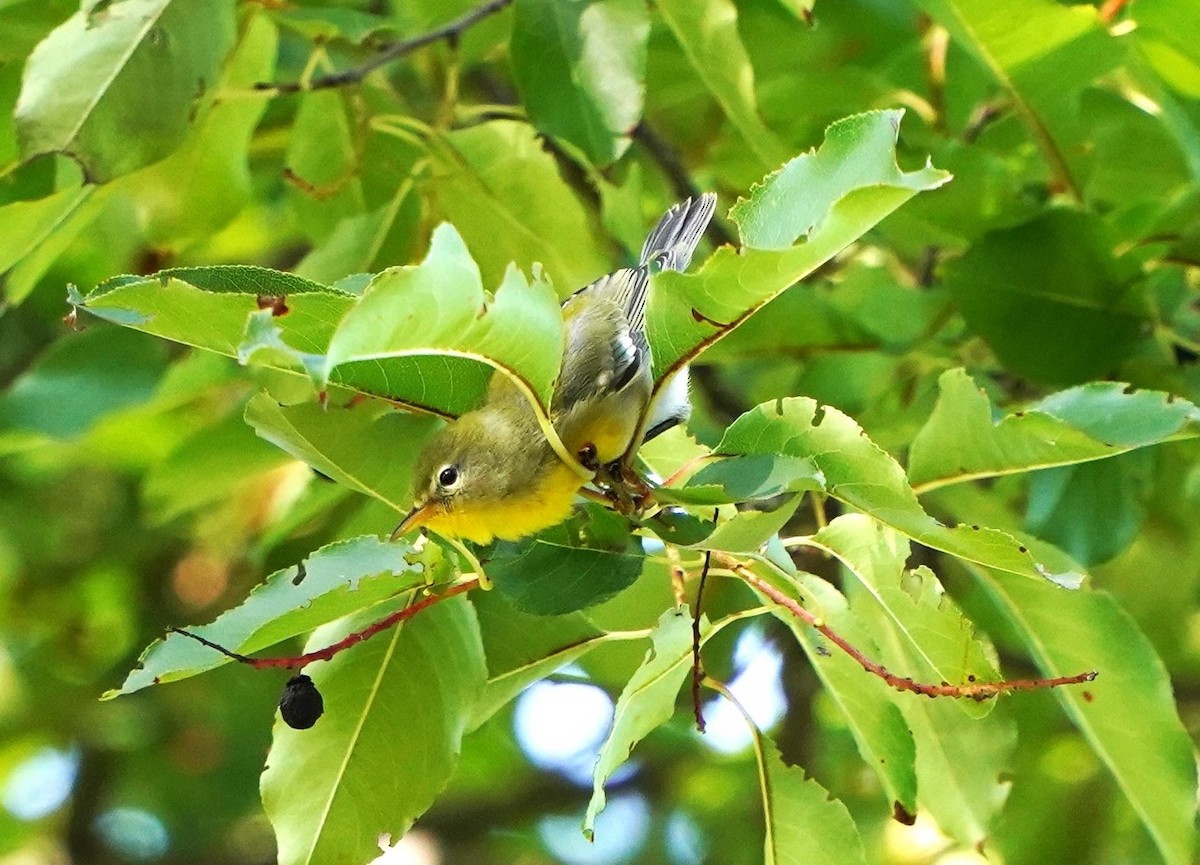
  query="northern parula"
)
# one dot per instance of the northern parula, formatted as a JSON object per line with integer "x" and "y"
{"x": 493, "y": 473}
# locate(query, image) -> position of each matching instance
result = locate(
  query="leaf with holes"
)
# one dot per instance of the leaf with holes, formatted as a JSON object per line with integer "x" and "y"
{"x": 963, "y": 441}
{"x": 335, "y": 581}
{"x": 858, "y": 183}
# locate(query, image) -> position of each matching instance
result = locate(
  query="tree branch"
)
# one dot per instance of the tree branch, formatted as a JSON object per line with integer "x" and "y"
{"x": 451, "y": 31}
{"x": 346, "y": 642}
{"x": 978, "y": 691}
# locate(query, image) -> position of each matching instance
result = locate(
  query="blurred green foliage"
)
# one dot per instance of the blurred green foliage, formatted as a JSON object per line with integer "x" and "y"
{"x": 1021, "y": 346}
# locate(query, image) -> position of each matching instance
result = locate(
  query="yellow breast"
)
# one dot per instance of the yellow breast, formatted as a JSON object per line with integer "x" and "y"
{"x": 542, "y": 504}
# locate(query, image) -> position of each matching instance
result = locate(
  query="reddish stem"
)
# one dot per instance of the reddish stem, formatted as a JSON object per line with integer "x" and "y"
{"x": 1111, "y": 9}
{"x": 978, "y": 691}
{"x": 697, "y": 667}
{"x": 346, "y": 642}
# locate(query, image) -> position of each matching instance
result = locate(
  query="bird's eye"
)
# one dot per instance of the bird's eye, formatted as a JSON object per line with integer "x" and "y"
{"x": 448, "y": 476}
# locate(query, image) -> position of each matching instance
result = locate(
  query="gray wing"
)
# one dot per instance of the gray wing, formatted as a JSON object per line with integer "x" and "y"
{"x": 617, "y": 306}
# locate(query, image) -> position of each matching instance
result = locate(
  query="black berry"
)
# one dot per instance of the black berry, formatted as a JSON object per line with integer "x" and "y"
{"x": 301, "y": 704}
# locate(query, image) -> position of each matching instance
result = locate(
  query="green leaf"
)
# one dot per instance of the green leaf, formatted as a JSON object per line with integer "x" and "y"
{"x": 961, "y": 441}
{"x": 27, "y": 226}
{"x": 396, "y": 710}
{"x": 1092, "y": 511}
{"x": 743, "y": 479}
{"x": 860, "y": 473}
{"x": 334, "y": 581}
{"x": 580, "y": 67}
{"x": 866, "y": 703}
{"x": 143, "y": 59}
{"x": 208, "y": 307}
{"x": 440, "y": 307}
{"x": 203, "y": 185}
{"x": 1070, "y": 632}
{"x": 935, "y": 642}
{"x": 861, "y": 183}
{"x": 210, "y": 466}
{"x": 367, "y": 447}
{"x": 647, "y": 701}
{"x": 548, "y": 579}
{"x": 1081, "y": 310}
{"x": 504, "y": 194}
{"x": 1042, "y": 54}
{"x": 324, "y": 156}
{"x": 960, "y": 757}
{"x": 749, "y": 530}
{"x": 805, "y": 826}
{"x": 707, "y": 32}
{"x": 522, "y": 648}
{"x": 66, "y": 392}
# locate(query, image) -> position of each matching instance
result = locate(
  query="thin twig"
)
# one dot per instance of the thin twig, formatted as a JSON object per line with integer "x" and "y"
{"x": 978, "y": 691}
{"x": 451, "y": 30}
{"x": 681, "y": 181}
{"x": 697, "y": 667}
{"x": 346, "y": 642}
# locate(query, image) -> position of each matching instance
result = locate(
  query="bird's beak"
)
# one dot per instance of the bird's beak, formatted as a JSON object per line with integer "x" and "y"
{"x": 415, "y": 519}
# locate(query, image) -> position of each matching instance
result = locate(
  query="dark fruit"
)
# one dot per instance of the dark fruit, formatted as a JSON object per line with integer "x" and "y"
{"x": 301, "y": 704}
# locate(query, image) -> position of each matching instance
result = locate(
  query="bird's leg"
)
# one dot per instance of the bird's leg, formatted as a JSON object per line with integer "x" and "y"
{"x": 588, "y": 458}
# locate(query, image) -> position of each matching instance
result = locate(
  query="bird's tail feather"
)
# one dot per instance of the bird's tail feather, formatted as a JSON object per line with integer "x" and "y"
{"x": 672, "y": 242}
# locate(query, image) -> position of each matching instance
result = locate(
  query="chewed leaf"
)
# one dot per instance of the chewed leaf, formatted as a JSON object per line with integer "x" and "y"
{"x": 962, "y": 441}
{"x": 335, "y": 581}
{"x": 863, "y": 475}
{"x": 805, "y": 824}
{"x": 857, "y": 185}
{"x": 440, "y": 307}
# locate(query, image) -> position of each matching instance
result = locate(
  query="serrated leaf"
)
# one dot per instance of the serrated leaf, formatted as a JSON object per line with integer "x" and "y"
{"x": 1069, "y": 632}
{"x": 396, "y": 709}
{"x": 580, "y": 69}
{"x": 504, "y": 194}
{"x": 367, "y": 447}
{"x": 962, "y": 441}
{"x": 440, "y": 307}
{"x": 866, "y": 703}
{"x": 144, "y": 59}
{"x": 744, "y": 479}
{"x": 934, "y": 640}
{"x": 686, "y": 313}
{"x": 336, "y": 580}
{"x": 860, "y": 473}
{"x": 805, "y": 825}
{"x": 646, "y": 702}
{"x": 961, "y": 760}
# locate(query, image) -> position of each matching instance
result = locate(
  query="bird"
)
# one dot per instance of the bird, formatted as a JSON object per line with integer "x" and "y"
{"x": 493, "y": 474}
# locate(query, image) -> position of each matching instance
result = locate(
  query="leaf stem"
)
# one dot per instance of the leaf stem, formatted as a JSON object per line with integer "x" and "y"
{"x": 451, "y": 30}
{"x": 760, "y": 755}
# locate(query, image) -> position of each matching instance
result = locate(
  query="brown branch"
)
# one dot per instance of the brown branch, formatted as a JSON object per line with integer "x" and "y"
{"x": 697, "y": 667}
{"x": 450, "y": 31}
{"x": 346, "y": 642}
{"x": 978, "y": 691}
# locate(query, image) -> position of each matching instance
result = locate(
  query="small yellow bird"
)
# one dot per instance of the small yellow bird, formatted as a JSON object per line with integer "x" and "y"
{"x": 493, "y": 473}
